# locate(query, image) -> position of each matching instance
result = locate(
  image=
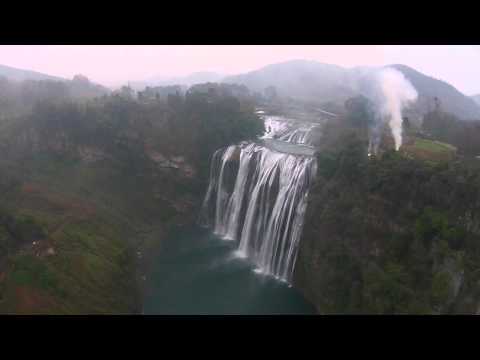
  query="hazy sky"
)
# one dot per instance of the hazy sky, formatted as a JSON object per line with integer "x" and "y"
{"x": 114, "y": 65}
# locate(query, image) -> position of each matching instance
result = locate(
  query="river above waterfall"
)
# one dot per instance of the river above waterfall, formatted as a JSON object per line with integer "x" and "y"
{"x": 199, "y": 274}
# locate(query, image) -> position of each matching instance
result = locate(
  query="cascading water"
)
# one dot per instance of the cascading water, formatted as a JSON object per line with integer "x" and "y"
{"x": 298, "y": 136}
{"x": 257, "y": 196}
{"x": 288, "y": 130}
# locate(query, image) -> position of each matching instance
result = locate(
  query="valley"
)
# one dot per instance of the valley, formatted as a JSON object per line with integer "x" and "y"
{"x": 297, "y": 188}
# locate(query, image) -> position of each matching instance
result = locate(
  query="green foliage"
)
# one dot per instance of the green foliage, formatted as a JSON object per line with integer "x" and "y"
{"x": 387, "y": 290}
{"x": 16, "y": 230}
{"x": 26, "y": 228}
{"x": 409, "y": 225}
{"x": 446, "y": 127}
{"x": 32, "y": 271}
{"x": 327, "y": 164}
{"x": 20, "y": 97}
{"x": 218, "y": 121}
{"x": 193, "y": 126}
{"x": 434, "y": 146}
{"x": 441, "y": 291}
{"x": 360, "y": 112}
{"x": 92, "y": 271}
{"x": 432, "y": 152}
{"x": 434, "y": 224}
{"x": 96, "y": 214}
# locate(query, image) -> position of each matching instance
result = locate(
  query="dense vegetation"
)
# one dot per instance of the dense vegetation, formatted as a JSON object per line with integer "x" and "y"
{"x": 446, "y": 127}
{"x": 89, "y": 189}
{"x": 19, "y": 97}
{"x": 390, "y": 234}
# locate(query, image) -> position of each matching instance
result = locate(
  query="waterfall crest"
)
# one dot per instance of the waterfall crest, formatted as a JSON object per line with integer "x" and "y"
{"x": 257, "y": 196}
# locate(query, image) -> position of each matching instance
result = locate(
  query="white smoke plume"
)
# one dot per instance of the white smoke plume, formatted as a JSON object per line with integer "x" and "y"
{"x": 390, "y": 92}
{"x": 396, "y": 93}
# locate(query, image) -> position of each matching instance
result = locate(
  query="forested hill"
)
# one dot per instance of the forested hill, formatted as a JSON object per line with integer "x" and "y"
{"x": 19, "y": 97}
{"x": 450, "y": 98}
{"x": 315, "y": 81}
{"x": 398, "y": 232}
{"x": 301, "y": 79}
{"x": 90, "y": 189}
{"x": 15, "y": 74}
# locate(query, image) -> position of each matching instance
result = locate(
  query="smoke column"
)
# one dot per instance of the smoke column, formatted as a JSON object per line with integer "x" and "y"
{"x": 396, "y": 93}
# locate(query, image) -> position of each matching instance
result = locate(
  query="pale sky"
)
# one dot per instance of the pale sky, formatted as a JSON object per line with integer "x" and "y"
{"x": 113, "y": 65}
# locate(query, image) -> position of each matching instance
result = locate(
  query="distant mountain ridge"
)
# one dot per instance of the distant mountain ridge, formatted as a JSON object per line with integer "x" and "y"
{"x": 23, "y": 86}
{"x": 315, "y": 81}
{"x": 451, "y": 99}
{"x": 15, "y": 74}
{"x": 193, "y": 78}
{"x": 188, "y": 80}
{"x": 303, "y": 79}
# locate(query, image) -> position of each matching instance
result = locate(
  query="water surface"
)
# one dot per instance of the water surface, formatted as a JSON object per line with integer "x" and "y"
{"x": 199, "y": 274}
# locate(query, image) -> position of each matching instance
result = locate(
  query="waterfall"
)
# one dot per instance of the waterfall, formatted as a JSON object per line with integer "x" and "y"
{"x": 288, "y": 131}
{"x": 257, "y": 196}
{"x": 298, "y": 136}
